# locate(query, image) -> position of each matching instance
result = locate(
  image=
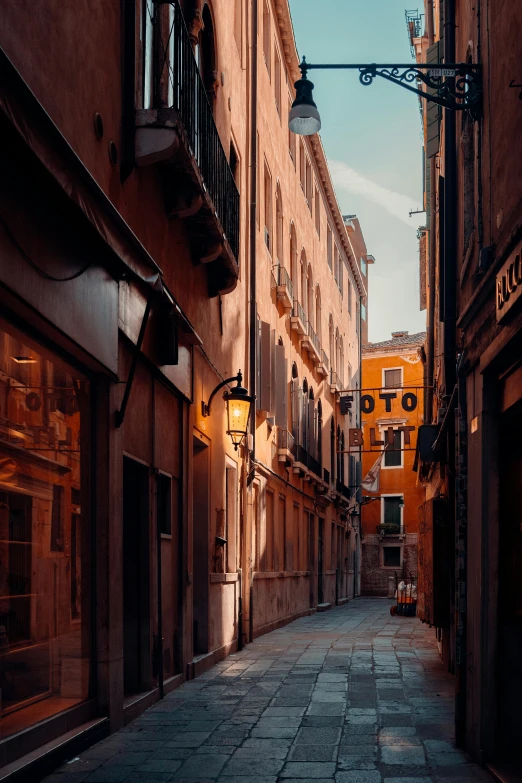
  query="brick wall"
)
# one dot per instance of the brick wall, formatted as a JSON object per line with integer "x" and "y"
{"x": 374, "y": 577}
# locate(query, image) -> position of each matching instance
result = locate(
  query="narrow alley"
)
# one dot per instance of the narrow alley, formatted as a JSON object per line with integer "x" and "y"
{"x": 353, "y": 694}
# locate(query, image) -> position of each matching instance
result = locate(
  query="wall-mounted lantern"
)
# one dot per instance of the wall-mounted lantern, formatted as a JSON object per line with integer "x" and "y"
{"x": 239, "y": 404}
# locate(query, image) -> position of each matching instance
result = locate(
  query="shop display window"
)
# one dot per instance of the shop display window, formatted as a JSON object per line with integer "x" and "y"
{"x": 45, "y": 640}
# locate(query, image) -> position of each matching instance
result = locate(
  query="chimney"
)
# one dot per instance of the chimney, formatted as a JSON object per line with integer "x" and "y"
{"x": 399, "y": 334}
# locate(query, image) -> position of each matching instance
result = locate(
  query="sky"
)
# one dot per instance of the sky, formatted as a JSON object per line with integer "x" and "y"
{"x": 373, "y": 142}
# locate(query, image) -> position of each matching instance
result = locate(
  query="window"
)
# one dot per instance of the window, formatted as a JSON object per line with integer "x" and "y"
{"x": 317, "y": 213}
{"x": 231, "y": 516}
{"x": 234, "y": 164}
{"x": 268, "y": 209}
{"x": 329, "y": 246}
{"x": 310, "y": 292}
{"x": 163, "y": 504}
{"x": 392, "y": 509}
{"x": 363, "y": 266}
{"x": 295, "y": 544}
{"x": 341, "y": 273}
{"x": 287, "y": 540}
{"x": 393, "y": 459}
{"x": 308, "y": 185}
{"x": 269, "y": 564}
{"x": 293, "y": 259}
{"x": 238, "y": 23}
{"x": 393, "y": 378}
{"x": 279, "y": 226}
{"x": 57, "y": 519}
{"x": 336, "y": 264}
{"x": 258, "y": 179}
{"x": 302, "y": 174}
{"x": 277, "y": 80}
{"x": 266, "y": 37}
{"x": 349, "y": 288}
{"x": 391, "y": 556}
{"x": 291, "y": 138}
{"x": 363, "y": 312}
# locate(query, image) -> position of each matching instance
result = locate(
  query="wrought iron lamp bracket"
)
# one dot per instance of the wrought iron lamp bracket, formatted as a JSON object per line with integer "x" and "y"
{"x": 205, "y": 406}
{"x": 456, "y": 86}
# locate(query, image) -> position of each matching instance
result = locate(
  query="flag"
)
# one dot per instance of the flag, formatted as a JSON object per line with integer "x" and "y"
{"x": 371, "y": 481}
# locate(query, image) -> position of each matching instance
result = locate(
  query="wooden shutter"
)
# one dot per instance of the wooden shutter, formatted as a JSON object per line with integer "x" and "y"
{"x": 433, "y": 110}
{"x": 281, "y": 414}
{"x": 258, "y": 363}
{"x": 311, "y": 429}
{"x": 264, "y": 403}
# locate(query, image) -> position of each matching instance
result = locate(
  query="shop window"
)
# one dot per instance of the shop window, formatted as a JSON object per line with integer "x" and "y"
{"x": 164, "y": 504}
{"x": 391, "y": 556}
{"x": 45, "y": 543}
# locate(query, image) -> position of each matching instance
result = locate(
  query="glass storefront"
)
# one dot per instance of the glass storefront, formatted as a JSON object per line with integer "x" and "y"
{"x": 45, "y": 641}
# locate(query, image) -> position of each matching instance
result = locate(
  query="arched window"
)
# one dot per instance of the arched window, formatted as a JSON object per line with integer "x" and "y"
{"x": 320, "y": 432}
{"x": 304, "y": 294}
{"x": 337, "y": 350}
{"x": 312, "y": 424}
{"x": 340, "y": 371}
{"x": 318, "y": 311}
{"x": 342, "y": 455}
{"x": 206, "y": 55}
{"x": 310, "y": 292}
{"x": 304, "y": 415}
{"x": 339, "y": 460}
{"x": 279, "y": 227}
{"x": 294, "y": 386}
{"x": 293, "y": 260}
{"x": 331, "y": 343}
{"x": 332, "y": 450}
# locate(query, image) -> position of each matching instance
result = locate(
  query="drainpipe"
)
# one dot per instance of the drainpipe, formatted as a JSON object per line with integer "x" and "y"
{"x": 246, "y": 574}
{"x": 432, "y": 250}
{"x": 450, "y": 375}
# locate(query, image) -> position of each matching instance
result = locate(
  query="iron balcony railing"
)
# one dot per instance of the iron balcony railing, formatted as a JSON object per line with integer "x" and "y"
{"x": 297, "y": 311}
{"x": 314, "y": 339}
{"x": 325, "y": 360}
{"x": 285, "y": 440}
{"x": 177, "y": 84}
{"x": 283, "y": 278}
{"x": 390, "y": 529}
{"x": 342, "y": 489}
{"x": 301, "y": 454}
{"x": 314, "y": 465}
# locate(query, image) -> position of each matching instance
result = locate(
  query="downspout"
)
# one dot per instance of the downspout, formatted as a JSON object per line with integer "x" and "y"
{"x": 246, "y": 571}
{"x": 450, "y": 373}
{"x": 432, "y": 250}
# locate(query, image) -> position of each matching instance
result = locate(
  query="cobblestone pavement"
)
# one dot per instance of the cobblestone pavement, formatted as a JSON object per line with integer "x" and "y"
{"x": 352, "y": 695}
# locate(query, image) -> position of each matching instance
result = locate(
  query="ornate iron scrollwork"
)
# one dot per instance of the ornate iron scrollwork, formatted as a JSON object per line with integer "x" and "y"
{"x": 454, "y": 87}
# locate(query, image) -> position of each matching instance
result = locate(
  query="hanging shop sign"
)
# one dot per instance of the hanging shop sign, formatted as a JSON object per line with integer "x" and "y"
{"x": 509, "y": 283}
{"x": 356, "y": 437}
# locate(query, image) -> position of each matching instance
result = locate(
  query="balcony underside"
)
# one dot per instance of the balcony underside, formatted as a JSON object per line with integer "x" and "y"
{"x": 161, "y": 139}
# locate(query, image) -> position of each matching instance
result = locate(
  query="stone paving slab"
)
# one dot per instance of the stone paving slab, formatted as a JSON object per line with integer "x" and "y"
{"x": 352, "y": 695}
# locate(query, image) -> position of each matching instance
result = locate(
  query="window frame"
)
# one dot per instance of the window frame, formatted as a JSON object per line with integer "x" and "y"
{"x": 392, "y": 388}
{"x": 383, "y": 432}
{"x": 383, "y": 504}
{"x": 401, "y": 555}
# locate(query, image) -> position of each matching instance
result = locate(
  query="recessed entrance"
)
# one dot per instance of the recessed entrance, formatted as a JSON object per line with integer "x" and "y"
{"x": 200, "y": 532}
{"x": 136, "y": 578}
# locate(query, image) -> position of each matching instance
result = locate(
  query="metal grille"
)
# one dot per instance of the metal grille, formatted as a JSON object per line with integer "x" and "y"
{"x": 176, "y": 68}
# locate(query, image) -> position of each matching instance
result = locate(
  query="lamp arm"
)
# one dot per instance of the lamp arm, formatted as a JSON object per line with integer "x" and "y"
{"x": 206, "y": 407}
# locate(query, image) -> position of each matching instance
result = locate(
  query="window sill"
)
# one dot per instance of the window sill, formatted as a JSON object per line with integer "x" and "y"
{"x": 279, "y": 574}
{"x": 224, "y": 578}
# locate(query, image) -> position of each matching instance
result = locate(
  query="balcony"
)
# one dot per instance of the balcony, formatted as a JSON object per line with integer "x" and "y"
{"x": 342, "y": 490}
{"x": 298, "y": 319}
{"x": 315, "y": 467}
{"x": 323, "y": 368}
{"x": 301, "y": 462}
{"x": 285, "y": 446}
{"x": 335, "y": 383}
{"x": 311, "y": 342}
{"x": 177, "y": 132}
{"x": 284, "y": 287}
{"x": 390, "y": 530}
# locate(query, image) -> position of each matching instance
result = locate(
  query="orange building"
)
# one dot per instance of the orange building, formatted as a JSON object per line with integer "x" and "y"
{"x": 392, "y": 403}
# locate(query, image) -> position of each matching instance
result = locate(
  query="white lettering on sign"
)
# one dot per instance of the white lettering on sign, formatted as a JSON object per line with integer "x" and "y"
{"x": 437, "y": 73}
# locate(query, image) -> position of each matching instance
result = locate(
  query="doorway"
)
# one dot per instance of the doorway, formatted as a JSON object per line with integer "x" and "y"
{"x": 136, "y": 578}
{"x": 509, "y": 696}
{"x": 320, "y": 563}
{"x": 200, "y": 548}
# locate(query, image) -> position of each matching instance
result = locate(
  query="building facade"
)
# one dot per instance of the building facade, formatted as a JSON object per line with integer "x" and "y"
{"x": 392, "y": 405}
{"x": 159, "y": 231}
{"x": 470, "y": 462}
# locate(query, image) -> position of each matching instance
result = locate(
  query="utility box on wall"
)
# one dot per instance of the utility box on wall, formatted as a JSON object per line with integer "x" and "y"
{"x": 433, "y": 585}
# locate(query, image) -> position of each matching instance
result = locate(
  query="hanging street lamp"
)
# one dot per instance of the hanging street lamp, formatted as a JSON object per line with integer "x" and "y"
{"x": 452, "y": 86}
{"x": 238, "y": 404}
